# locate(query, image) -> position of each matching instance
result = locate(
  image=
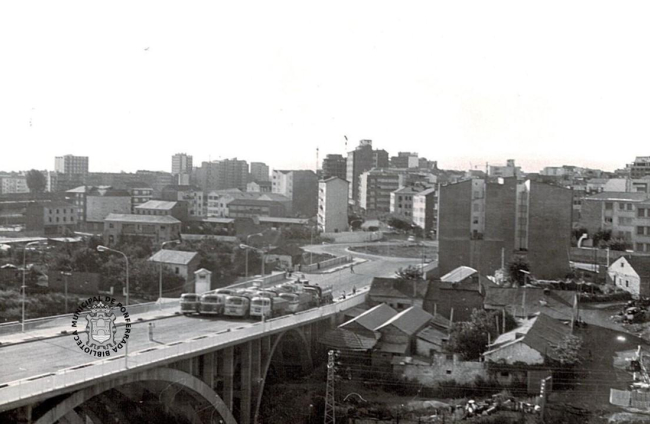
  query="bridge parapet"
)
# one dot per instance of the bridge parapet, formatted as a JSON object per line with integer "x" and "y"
{"x": 26, "y": 391}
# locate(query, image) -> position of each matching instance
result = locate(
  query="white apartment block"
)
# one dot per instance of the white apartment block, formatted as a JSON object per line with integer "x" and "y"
{"x": 332, "y": 205}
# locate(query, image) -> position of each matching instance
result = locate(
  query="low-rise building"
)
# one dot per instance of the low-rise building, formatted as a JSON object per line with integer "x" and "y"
{"x": 259, "y": 187}
{"x": 192, "y": 195}
{"x": 249, "y": 208}
{"x": 184, "y": 264}
{"x": 102, "y": 201}
{"x": 457, "y": 294}
{"x": 401, "y": 201}
{"x": 285, "y": 257}
{"x": 632, "y": 274}
{"x": 51, "y": 218}
{"x": 397, "y": 293}
{"x": 531, "y": 343}
{"x": 161, "y": 208}
{"x": 398, "y": 335}
{"x": 156, "y": 228}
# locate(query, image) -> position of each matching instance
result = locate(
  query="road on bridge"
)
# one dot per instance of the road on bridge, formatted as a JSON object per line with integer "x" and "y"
{"x": 25, "y": 360}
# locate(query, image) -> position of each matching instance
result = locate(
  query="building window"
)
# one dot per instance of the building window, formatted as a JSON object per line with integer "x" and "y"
{"x": 609, "y": 206}
{"x": 630, "y": 207}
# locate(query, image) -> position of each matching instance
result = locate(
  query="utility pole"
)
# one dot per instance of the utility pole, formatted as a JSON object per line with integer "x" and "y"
{"x": 330, "y": 402}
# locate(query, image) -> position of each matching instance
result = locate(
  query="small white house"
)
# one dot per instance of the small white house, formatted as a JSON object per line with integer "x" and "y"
{"x": 631, "y": 274}
{"x": 202, "y": 281}
{"x": 529, "y": 343}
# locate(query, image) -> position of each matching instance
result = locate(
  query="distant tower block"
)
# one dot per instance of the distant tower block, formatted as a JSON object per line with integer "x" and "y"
{"x": 202, "y": 280}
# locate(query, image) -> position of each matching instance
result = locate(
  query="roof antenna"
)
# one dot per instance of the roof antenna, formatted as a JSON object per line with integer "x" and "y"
{"x": 317, "y": 160}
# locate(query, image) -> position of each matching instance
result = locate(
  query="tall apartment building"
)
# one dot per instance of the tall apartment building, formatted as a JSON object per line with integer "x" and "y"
{"x": 425, "y": 210}
{"x": 625, "y": 214}
{"x": 640, "y": 167}
{"x": 181, "y": 164}
{"x": 259, "y": 172}
{"x": 13, "y": 183}
{"x": 301, "y": 186}
{"x": 405, "y": 160}
{"x": 223, "y": 174}
{"x": 332, "y": 205}
{"x": 360, "y": 160}
{"x": 334, "y": 166}
{"x": 70, "y": 164}
{"x": 375, "y": 187}
{"x": 479, "y": 221}
{"x": 181, "y": 168}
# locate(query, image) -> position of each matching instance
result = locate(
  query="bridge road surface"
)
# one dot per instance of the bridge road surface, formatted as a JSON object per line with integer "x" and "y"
{"x": 50, "y": 355}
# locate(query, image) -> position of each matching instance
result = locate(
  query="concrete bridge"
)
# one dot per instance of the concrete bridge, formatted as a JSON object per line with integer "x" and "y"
{"x": 212, "y": 378}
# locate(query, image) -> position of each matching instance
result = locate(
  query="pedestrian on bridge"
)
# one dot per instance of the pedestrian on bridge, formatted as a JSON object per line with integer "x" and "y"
{"x": 151, "y": 327}
{"x": 352, "y": 269}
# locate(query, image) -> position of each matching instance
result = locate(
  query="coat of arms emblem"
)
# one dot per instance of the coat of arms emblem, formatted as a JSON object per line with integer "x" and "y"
{"x": 101, "y": 324}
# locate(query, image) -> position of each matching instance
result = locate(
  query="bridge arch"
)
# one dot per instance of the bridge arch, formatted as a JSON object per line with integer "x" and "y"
{"x": 198, "y": 389}
{"x": 305, "y": 362}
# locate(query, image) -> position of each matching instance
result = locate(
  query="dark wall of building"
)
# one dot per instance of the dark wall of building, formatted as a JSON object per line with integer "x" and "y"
{"x": 305, "y": 193}
{"x": 591, "y": 215}
{"x": 454, "y": 226}
{"x": 549, "y": 230}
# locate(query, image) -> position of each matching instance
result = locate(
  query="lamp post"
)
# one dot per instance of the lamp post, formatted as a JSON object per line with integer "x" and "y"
{"x": 101, "y": 248}
{"x": 160, "y": 290}
{"x": 248, "y": 237}
{"x": 24, "y": 287}
{"x": 311, "y": 242}
{"x": 65, "y": 284}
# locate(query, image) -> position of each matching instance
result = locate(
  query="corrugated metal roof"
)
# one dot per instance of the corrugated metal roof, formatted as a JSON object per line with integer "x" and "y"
{"x": 340, "y": 338}
{"x": 173, "y": 257}
{"x": 373, "y": 318}
{"x": 459, "y": 274}
{"x": 408, "y": 321}
{"x": 158, "y": 205}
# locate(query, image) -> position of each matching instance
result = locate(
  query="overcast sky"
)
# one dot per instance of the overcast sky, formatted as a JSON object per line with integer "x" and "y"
{"x": 131, "y": 83}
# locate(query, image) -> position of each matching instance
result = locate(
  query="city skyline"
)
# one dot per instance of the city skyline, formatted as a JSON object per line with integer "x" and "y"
{"x": 459, "y": 84}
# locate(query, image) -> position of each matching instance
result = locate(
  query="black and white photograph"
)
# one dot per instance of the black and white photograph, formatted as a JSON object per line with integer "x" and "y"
{"x": 349, "y": 212}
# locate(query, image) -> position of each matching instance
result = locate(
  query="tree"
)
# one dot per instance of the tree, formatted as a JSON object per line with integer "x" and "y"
{"x": 601, "y": 237}
{"x": 36, "y": 181}
{"x": 515, "y": 269}
{"x": 470, "y": 339}
{"x": 399, "y": 223}
{"x": 566, "y": 353}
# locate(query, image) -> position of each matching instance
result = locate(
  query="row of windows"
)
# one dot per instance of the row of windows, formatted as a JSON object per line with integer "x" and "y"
{"x": 64, "y": 219}
{"x": 643, "y": 213}
{"x": 64, "y": 211}
{"x": 621, "y": 206}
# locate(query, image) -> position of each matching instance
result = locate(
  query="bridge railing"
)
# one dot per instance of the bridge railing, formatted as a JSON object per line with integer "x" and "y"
{"x": 23, "y": 389}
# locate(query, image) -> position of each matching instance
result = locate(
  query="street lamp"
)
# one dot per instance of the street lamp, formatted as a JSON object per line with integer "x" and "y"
{"x": 65, "y": 283}
{"x": 101, "y": 248}
{"x": 160, "y": 290}
{"x": 24, "y": 287}
{"x": 248, "y": 237}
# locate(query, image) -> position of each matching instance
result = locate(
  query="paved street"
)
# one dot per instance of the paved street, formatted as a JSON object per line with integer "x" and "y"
{"x": 49, "y": 355}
